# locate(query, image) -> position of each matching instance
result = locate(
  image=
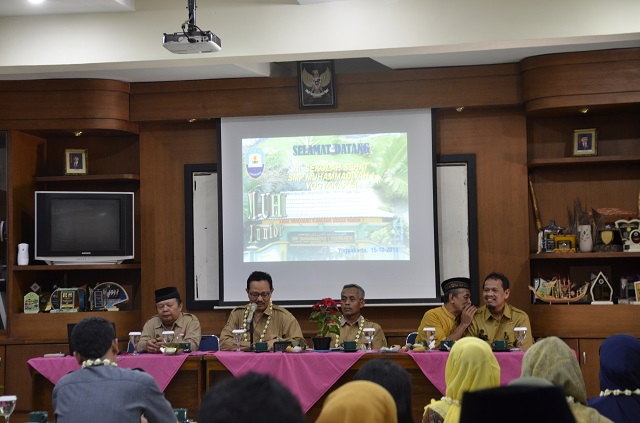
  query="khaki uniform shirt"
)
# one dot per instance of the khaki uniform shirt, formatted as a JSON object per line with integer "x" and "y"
{"x": 282, "y": 325}
{"x": 486, "y": 327}
{"x": 186, "y": 323}
{"x": 348, "y": 332}
{"x": 441, "y": 319}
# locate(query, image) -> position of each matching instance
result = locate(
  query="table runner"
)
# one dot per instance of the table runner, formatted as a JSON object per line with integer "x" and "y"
{"x": 162, "y": 367}
{"x": 308, "y": 375}
{"x": 433, "y": 365}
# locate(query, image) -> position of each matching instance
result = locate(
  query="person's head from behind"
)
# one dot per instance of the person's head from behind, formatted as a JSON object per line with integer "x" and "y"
{"x": 620, "y": 363}
{"x": 550, "y": 358}
{"x": 250, "y": 398}
{"x": 395, "y": 379}
{"x": 93, "y": 337}
{"x": 359, "y": 401}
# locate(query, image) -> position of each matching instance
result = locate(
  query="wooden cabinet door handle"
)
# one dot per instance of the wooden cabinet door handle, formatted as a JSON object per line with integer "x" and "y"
{"x": 584, "y": 358}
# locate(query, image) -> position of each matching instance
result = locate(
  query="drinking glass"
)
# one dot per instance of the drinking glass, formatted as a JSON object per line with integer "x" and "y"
{"x": 429, "y": 334}
{"x": 7, "y": 404}
{"x": 167, "y": 337}
{"x": 134, "y": 338}
{"x": 521, "y": 335}
{"x": 238, "y": 336}
{"x": 369, "y": 334}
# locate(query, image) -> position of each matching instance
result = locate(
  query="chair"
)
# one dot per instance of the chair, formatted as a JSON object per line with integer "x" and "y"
{"x": 209, "y": 343}
{"x": 411, "y": 338}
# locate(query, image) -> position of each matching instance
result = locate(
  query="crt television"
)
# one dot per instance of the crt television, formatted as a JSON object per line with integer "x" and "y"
{"x": 84, "y": 227}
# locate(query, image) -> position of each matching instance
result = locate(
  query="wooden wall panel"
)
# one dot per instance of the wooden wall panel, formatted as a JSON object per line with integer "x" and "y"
{"x": 425, "y": 88}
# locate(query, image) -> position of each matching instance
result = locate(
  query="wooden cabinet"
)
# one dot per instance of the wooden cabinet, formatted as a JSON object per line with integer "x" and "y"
{"x": 38, "y": 164}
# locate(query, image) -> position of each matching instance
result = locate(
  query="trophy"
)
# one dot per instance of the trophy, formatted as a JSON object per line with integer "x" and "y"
{"x": 601, "y": 290}
{"x": 630, "y": 234}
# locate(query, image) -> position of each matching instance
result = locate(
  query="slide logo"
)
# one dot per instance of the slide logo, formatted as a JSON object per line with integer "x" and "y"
{"x": 255, "y": 162}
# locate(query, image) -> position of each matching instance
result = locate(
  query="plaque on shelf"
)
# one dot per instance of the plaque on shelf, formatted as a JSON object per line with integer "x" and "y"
{"x": 31, "y": 303}
{"x": 106, "y": 295}
{"x": 601, "y": 290}
{"x": 64, "y": 300}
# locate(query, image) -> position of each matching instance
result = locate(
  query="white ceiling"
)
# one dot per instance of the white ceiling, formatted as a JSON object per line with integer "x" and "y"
{"x": 456, "y": 34}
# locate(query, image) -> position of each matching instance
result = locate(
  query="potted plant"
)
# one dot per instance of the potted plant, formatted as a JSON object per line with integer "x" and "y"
{"x": 327, "y": 314}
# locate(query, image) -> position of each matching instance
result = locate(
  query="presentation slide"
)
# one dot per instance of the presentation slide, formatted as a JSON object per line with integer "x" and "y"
{"x": 330, "y": 197}
{"x": 322, "y": 200}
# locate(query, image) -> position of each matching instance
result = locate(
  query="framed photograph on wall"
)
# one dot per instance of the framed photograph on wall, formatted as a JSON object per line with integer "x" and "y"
{"x": 75, "y": 162}
{"x": 585, "y": 142}
{"x": 316, "y": 84}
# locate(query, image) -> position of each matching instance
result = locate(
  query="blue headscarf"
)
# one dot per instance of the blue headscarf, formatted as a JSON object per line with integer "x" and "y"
{"x": 619, "y": 369}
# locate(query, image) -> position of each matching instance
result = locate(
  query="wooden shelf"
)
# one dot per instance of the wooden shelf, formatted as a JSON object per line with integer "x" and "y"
{"x": 582, "y": 161}
{"x": 582, "y": 256}
{"x": 46, "y": 267}
{"x": 584, "y": 320}
{"x": 122, "y": 177}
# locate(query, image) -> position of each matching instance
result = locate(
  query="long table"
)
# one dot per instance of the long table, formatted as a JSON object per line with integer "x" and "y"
{"x": 311, "y": 376}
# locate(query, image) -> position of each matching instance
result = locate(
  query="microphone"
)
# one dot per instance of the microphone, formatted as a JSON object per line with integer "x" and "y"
{"x": 252, "y": 310}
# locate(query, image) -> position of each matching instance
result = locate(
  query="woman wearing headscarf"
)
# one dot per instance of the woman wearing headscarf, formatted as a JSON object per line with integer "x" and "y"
{"x": 359, "y": 401}
{"x": 471, "y": 366}
{"x": 619, "y": 397}
{"x": 552, "y": 359}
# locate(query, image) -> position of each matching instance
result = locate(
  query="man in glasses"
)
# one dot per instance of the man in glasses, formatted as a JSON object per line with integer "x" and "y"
{"x": 185, "y": 326}
{"x": 271, "y": 323}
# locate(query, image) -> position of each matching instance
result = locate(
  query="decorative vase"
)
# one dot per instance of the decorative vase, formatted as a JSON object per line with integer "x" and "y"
{"x": 321, "y": 343}
{"x": 586, "y": 240}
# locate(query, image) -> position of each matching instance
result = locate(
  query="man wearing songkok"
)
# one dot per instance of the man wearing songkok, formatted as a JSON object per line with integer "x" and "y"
{"x": 186, "y": 326}
{"x": 454, "y": 316}
{"x": 496, "y": 319}
{"x": 271, "y": 323}
{"x": 550, "y": 358}
{"x": 353, "y": 322}
{"x": 619, "y": 397}
{"x": 101, "y": 391}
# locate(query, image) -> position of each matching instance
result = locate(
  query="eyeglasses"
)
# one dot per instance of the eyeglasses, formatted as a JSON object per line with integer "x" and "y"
{"x": 259, "y": 294}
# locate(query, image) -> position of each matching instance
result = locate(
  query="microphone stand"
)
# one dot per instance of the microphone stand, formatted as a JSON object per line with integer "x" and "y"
{"x": 251, "y": 335}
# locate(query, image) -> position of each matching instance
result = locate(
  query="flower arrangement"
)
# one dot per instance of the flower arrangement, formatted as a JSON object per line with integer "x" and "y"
{"x": 327, "y": 314}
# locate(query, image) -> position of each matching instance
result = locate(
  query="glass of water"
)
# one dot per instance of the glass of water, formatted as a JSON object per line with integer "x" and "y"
{"x": 521, "y": 335}
{"x": 429, "y": 335}
{"x": 7, "y": 405}
{"x": 134, "y": 339}
{"x": 238, "y": 337}
{"x": 369, "y": 334}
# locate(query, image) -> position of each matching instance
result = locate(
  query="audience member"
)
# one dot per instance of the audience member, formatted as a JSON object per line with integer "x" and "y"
{"x": 471, "y": 366}
{"x": 454, "y": 316}
{"x": 552, "y": 359}
{"x": 359, "y": 401}
{"x": 496, "y": 319}
{"x": 395, "y": 379}
{"x": 251, "y": 398}
{"x": 619, "y": 397}
{"x": 353, "y": 322}
{"x": 522, "y": 403}
{"x": 271, "y": 323}
{"x": 186, "y": 326}
{"x": 102, "y": 392}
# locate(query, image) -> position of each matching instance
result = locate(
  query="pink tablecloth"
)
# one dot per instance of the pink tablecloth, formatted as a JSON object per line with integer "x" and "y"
{"x": 433, "y": 364}
{"x": 308, "y": 375}
{"x": 162, "y": 367}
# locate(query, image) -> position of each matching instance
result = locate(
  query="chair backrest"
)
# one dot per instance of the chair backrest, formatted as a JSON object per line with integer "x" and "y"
{"x": 411, "y": 338}
{"x": 209, "y": 343}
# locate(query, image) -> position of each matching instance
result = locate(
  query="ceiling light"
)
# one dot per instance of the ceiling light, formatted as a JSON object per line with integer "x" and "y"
{"x": 36, "y": 1}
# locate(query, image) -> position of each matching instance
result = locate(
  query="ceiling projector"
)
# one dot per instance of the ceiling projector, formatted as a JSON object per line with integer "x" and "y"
{"x": 192, "y": 39}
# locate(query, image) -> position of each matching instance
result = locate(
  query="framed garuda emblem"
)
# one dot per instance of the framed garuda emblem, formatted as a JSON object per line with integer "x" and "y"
{"x": 316, "y": 84}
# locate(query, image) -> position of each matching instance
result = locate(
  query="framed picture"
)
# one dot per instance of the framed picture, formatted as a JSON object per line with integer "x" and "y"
{"x": 75, "y": 162}
{"x": 316, "y": 84}
{"x": 585, "y": 142}
{"x": 636, "y": 285}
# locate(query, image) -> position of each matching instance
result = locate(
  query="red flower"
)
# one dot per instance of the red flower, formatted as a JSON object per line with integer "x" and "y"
{"x": 327, "y": 314}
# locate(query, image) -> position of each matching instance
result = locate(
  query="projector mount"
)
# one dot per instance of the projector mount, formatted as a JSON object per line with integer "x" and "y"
{"x": 192, "y": 39}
